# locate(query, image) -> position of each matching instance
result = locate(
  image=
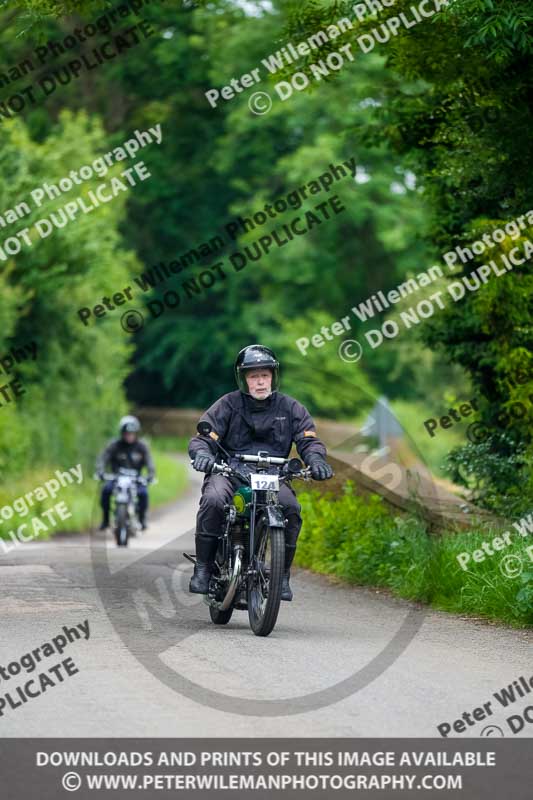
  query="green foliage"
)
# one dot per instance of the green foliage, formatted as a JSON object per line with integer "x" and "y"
{"x": 358, "y": 540}
{"x": 172, "y": 477}
{"x": 231, "y": 163}
{"x": 482, "y": 590}
{"x": 428, "y": 179}
{"x": 524, "y": 598}
{"x": 348, "y": 393}
{"x": 173, "y": 444}
{"x": 498, "y": 471}
{"x": 82, "y": 500}
{"x": 474, "y": 56}
{"x": 73, "y": 390}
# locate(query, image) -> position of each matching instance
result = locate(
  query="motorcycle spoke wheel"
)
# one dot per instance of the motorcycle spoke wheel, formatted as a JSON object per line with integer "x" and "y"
{"x": 121, "y": 526}
{"x": 264, "y": 588}
{"x": 220, "y": 617}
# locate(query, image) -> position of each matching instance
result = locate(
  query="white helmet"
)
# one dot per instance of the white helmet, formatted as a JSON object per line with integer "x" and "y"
{"x": 129, "y": 424}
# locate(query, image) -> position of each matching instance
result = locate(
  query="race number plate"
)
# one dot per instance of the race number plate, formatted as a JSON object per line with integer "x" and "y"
{"x": 269, "y": 483}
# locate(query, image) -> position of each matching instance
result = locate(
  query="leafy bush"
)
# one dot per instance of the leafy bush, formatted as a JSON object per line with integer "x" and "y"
{"x": 498, "y": 471}
{"x": 74, "y": 389}
{"x": 358, "y": 540}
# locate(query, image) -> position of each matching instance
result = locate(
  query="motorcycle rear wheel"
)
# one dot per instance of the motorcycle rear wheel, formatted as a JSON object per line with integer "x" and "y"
{"x": 217, "y": 616}
{"x": 264, "y": 589}
{"x": 220, "y": 617}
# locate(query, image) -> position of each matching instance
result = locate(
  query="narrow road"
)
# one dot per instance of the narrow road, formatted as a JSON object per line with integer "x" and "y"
{"x": 155, "y": 665}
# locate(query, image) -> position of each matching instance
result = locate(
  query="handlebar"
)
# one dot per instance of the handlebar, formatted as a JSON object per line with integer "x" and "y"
{"x": 303, "y": 475}
{"x": 225, "y": 469}
{"x": 110, "y": 476}
{"x": 262, "y": 459}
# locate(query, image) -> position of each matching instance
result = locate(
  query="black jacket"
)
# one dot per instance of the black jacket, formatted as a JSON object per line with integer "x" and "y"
{"x": 245, "y": 425}
{"x": 119, "y": 453}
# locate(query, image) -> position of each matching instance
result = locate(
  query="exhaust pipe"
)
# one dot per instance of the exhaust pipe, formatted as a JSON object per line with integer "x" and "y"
{"x": 234, "y": 581}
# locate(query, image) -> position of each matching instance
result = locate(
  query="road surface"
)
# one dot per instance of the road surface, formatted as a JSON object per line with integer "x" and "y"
{"x": 329, "y": 634}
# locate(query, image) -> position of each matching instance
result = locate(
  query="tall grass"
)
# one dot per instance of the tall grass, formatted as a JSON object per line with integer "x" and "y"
{"x": 82, "y": 500}
{"x": 359, "y": 540}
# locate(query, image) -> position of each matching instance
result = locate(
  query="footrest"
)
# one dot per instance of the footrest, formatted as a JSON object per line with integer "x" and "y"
{"x": 190, "y": 558}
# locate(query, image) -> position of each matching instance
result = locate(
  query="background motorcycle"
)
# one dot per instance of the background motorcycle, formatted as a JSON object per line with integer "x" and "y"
{"x": 124, "y": 503}
{"x": 250, "y": 559}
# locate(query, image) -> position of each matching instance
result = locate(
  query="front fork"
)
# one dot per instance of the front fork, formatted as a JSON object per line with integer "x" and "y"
{"x": 270, "y": 507}
{"x": 275, "y": 518}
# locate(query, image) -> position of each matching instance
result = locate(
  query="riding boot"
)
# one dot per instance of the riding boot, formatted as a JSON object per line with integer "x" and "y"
{"x": 286, "y": 591}
{"x": 142, "y": 506}
{"x": 142, "y": 520}
{"x": 206, "y": 550}
{"x": 105, "y": 502}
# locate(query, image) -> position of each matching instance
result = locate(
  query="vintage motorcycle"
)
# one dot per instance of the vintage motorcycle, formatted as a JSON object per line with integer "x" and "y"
{"x": 124, "y": 503}
{"x": 251, "y": 550}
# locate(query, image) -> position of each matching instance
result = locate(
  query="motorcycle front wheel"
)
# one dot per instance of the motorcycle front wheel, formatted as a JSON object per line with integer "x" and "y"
{"x": 264, "y": 587}
{"x": 121, "y": 525}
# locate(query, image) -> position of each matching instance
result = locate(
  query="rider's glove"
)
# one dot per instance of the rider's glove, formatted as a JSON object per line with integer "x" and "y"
{"x": 100, "y": 475}
{"x": 203, "y": 462}
{"x": 320, "y": 469}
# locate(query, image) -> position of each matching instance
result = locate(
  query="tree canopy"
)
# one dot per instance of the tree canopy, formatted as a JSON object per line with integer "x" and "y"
{"x": 437, "y": 122}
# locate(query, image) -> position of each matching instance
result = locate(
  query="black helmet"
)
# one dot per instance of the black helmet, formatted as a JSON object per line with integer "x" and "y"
{"x": 256, "y": 356}
{"x": 129, "y": 424}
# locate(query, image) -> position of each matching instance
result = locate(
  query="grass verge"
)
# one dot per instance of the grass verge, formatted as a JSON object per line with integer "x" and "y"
{"x": 359, "y": 540}
{"x": 81, "y": 499}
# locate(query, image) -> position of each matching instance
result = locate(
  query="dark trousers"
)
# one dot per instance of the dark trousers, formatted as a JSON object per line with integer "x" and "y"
{"x": 142, "y": 500}
{"x": 217, "y": 490}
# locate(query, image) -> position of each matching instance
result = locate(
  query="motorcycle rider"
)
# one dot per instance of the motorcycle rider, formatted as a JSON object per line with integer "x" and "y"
{"x": 129, "y": 452}
{"x": 255, "y": 417}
